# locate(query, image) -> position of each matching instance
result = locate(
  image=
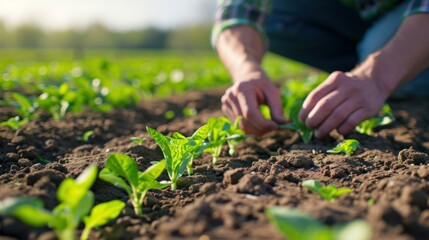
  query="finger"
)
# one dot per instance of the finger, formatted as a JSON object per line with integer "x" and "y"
{"x": 253, "y": 120}
{"x": 273, "y": 101}
{"x": 227, "y": 110}
{"x": 324, "y": 108}
{"x": 353, "y": 120}
{"x": 317, "y": 94}
{"x": 338, "y": 116}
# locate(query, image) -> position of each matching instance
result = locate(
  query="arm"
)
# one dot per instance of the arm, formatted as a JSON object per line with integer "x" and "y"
{"x": 346, "y": 99}
{"x": 241, "y": 49}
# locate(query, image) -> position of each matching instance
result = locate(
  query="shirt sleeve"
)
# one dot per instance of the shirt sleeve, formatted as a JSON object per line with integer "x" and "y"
{"x": 230, "y": 13}
{"x": 417, "y": 6}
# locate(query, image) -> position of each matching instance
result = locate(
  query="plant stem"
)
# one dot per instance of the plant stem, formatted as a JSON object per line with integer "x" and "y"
{"x": 189, "y": 166}
{"x": 85, "y": 233}
{"x": 66, "y": 234}
{"x": 173, "y": 185}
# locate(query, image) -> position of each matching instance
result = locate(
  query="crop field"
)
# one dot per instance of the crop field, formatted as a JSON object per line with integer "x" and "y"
{"x": 133, "y": 145}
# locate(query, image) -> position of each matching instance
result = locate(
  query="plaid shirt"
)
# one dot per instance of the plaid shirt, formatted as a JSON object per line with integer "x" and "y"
{"x": 252, "y": 12}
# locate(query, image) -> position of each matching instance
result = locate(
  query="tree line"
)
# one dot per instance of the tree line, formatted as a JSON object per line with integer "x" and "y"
{"x": 99, "y": 36}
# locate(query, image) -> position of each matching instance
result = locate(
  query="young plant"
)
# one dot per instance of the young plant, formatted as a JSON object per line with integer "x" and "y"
{"x": 76, "y": 201}
{"x": 385, "y": 117}
{"x": 303, "y": 130}
{"x": 223, "y": 131}
{"x": 25, "y": 109}
{"x": 14, "y": 122}
{"x": 296, "y": 225}
{"x": 234, "y": 135}
{"x": 347, "y": 146}
{"x": 122, "y": 171}
{"x": 86, "y": 135}
{"x": 138, "y": 140}
{"x": 178, "y": 151}
{"x": 100, "y": 215}
{"x": 329, "y": 192}
{"x": 197, "y": 141}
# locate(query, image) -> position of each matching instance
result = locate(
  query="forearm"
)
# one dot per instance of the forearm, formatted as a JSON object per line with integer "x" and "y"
{"x": 403, "y": 57}
{"x": 241, "y": 49}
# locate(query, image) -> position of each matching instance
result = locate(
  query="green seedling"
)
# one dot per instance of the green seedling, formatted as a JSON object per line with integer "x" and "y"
{"x": 218, "y": 136}
{"x": 296, "y": 225}
{"x": 189, "y": 112}
{"x": 234, "y": 135}
{"x": 169, "y": 115}
{"x": 138, "y": 140}
{"x": 25, "y": 109}
{"x": 75, "y": 202}
{"x": 385, "y": 117}
{"x": 178, "y": 151}
{"x": 303, "y": 130}
{"x": 197, "y": 143}
{"x": 14, "y": 123}
{"x": 265, "y": 111}
{"x": 85, "y": 137}
{"x": 122, "y": 171}
{"x": 347, "y": 146}
{"x": 100, "y": 215}
{"x": 329, "y": 192}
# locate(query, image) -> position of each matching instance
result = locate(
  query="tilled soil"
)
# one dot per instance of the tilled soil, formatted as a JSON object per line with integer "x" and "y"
{"x": 227, "y": 200}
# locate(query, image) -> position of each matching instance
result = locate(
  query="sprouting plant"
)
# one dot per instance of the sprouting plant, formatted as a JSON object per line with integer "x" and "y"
{"x": 296, "y": 225}
{"x": 347, "y": 146}
{"x": 329, "y": 192}
{"x": 25, "y": 109}
{"x": 385, "y": 117}
{"x": 76, "y": 201}
{"x": 234, "y": 135}
{"x": 100, "y": 215}
{"x": 122, "y": 171}
{"x": 178, "y": 151}
{"x": 303, "y": 130}
{"x": 189, "y": 112}
{"x": 138, "y": 140}
{"x": 85, "y": 136}
{"x": 197, "y": 144}
{"x": 14, "y": 122}
{"x": 222, "y": 131}
{"x": 169, "y": 115}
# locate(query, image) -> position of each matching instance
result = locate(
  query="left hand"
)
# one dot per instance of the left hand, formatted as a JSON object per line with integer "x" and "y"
{"x": 341, "y": 102}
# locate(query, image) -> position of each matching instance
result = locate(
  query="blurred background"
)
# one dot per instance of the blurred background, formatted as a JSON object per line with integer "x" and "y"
{"x": 106, "y": 24}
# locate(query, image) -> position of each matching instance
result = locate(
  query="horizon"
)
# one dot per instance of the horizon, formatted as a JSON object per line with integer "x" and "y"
{"x": 116, "y": 15}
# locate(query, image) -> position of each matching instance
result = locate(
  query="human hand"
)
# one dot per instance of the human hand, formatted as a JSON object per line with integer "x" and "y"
{"x": 245, "y": 96}
{"x": 341, "y": 102}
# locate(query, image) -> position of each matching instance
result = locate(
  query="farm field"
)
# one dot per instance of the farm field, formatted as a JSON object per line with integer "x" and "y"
{"x": 117, "y": 94}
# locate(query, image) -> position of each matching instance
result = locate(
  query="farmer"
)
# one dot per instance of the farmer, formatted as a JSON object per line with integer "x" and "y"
{"x": 373, "y": 49}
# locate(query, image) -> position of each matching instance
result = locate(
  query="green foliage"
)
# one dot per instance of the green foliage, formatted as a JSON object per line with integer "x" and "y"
{"x": 75, "y": 202}
{"x": 138, "y": 140}
{"x": 385, "y": 117}
{"x": 234, "y": 136}
{"x": 347, "y": 146}
{"x": 303, "y": 130}
{"x": 122, "y": 171}
{"x": 14, "y": 123}
{"x": 222, "y": 131}
{"x": 178, "y": 150}
{"x": 329, "y": 192}
{"x": 100, "y": 215}
{"x": 85, "y": 136}
{"x": 295, "y": 225}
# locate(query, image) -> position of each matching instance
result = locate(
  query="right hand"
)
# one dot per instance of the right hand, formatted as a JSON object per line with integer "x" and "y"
{"x": 245, "y": 96}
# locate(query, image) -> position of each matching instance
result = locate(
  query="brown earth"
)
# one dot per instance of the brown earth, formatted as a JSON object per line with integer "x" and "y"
{"x": 227, "y": 200}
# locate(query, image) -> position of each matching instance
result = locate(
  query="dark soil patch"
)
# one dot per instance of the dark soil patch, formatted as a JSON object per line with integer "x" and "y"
{"x": 227, "y": 200}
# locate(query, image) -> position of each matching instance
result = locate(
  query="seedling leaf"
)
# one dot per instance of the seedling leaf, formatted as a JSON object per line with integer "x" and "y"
{"x": 329, "y": 192}
{"x": 347, "y": 146}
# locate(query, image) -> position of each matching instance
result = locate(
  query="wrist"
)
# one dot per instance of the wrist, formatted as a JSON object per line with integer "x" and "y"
{"x": 381, "y": 68}
{"x": 247, "y": 71}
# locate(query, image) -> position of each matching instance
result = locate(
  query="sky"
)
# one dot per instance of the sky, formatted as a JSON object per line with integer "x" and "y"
{"x": 116, "y": 14}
